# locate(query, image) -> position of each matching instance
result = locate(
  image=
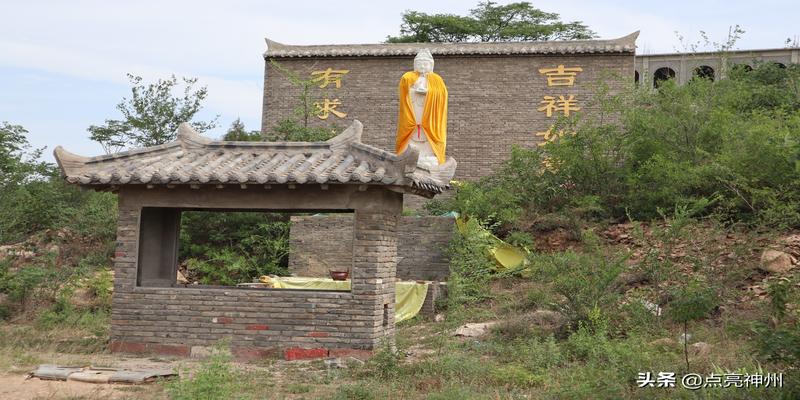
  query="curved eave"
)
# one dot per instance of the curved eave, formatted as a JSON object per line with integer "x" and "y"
{"x": 342, "y": 160}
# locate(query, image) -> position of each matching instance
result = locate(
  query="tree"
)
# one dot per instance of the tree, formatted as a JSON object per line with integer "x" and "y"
{"x": 17, "y": 160}
{"x": 237, "y": 132}
{"x": 152, "y": 114}
{"x": 489, "y": 22}
{"x": 298, "y": 127}
{"x": 691, "y": 301}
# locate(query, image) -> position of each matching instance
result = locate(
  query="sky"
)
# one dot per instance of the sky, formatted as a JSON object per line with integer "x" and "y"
{"x": 63, "y": 64}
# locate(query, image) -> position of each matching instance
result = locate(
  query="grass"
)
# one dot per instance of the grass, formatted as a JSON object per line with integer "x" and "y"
{"x": 527, "y": 356}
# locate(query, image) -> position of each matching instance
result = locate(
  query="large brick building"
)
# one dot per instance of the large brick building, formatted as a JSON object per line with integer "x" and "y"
{"x": 498, "y": 97}
{"x": 495, "y": 89}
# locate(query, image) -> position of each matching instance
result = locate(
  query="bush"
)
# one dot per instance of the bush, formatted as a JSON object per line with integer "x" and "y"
{"x": 779, "y": 337}
{"x": 49, "y": 203}
{"x": 216, "y": 378}
{"x": 234, "y": 247}
{"x": 702, "y": 145}
{"x": 471, "y": 267}
{"x": 584, "y": 282}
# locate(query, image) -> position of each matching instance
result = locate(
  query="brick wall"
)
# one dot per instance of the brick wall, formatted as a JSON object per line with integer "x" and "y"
{"x": 323, "y": 243}
{"x": 174, "y": 319}
{"x": 492, "y": 100}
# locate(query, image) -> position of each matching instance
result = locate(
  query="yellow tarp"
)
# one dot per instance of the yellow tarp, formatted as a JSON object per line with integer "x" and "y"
{"x": 505, "y": 255}
{"x": 409, "y": 296}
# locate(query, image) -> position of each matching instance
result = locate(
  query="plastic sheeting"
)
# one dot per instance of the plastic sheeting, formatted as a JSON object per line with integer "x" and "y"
{"x": 409, "y": 296}
{"x": 504, "y": 255}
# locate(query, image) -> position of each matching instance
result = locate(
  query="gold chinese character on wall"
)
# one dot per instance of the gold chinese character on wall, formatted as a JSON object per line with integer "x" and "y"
{"x": 560, "y": 76}
{"x": 328, "y": 107}
{"x": 550, "y": 135}
{"x": 563, "y": 104}
{"x": 324, "y": 78}
{"x": 329, "y": 76}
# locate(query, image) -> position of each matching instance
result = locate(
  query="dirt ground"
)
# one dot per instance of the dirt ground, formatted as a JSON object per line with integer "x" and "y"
{"x": 17, "y": 385}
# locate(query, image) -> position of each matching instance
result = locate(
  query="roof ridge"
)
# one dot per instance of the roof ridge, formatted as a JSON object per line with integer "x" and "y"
{"x": 192, "y": 159}
{"x": 622, "y": 44}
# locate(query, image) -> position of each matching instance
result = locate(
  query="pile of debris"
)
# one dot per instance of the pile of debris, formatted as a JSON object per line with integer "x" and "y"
{"x": 100, "y": 374}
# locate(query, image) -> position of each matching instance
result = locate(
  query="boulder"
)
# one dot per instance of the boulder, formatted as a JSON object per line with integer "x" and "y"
{"x": 700, "y": 349}
{"x": 776, "y": 262}
{"x": 474, "y": 330}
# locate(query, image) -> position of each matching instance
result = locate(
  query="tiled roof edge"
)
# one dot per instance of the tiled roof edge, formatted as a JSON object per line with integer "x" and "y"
{"x": 625, "y": 44}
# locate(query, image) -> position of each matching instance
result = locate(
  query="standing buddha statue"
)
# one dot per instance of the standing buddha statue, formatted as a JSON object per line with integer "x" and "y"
{"x": 422, "y": 119}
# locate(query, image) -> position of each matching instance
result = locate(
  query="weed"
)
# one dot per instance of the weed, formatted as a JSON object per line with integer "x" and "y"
{"x": 216, "y": 378}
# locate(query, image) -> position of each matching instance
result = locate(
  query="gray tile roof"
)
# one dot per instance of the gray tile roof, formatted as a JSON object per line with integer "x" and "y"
{"x": 195, "y": 160}
{"x": 626, "y": 44}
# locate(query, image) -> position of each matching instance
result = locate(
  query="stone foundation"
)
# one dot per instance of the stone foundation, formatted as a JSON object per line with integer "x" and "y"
{"x": 242, "y": 353}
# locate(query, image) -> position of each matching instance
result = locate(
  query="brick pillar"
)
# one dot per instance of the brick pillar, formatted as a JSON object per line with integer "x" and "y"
{"x": 374, "y": 269}
{"x": 125, "y": 256}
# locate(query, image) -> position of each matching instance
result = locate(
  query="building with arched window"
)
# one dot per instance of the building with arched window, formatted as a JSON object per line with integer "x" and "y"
{"x": 651, "y": 69}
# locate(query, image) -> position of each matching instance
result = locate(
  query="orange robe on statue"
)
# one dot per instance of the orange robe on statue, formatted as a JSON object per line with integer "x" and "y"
{"x": 434, "y": 115}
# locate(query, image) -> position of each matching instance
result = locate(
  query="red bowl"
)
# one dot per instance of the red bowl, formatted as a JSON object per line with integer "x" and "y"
{"x": 339, "y": 275}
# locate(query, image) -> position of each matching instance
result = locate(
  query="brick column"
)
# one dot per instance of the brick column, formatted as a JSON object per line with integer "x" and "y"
{"x": 374, "y": 269}
{"x": 125, "y": 256}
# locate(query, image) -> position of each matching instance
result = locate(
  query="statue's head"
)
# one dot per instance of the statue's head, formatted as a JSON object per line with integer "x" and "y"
{"x": 423, "y": 62}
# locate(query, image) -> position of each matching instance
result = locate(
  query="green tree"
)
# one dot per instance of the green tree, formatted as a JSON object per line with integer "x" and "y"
{"x": 489, "y": 22}
{"x": 298, "y": 127}
{"x": 238, "y": 132}
{"x": 152, "y": 114}
{"x": 691, "y": 301}
{"x": 17, "y": 160}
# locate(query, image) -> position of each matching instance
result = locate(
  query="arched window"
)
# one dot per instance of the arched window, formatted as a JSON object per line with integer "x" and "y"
{"x": 742, "y": 67}
{"x": 705, "y": 72}
{"x": 662, "y": 74}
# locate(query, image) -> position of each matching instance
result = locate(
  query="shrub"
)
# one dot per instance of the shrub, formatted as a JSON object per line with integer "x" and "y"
{"x": 702, "y": 145}
{"x": 234, "y": 247}
{"x": 215, "y": 378}
{"x": 470, "y": 265}
{"x": 779, "y": 337}
{"x": 584, "y": 281}
{"x": 690, "y": 302}
{"x": 385, "y": 363}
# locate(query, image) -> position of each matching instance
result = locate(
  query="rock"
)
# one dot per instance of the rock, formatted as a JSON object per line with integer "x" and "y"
{"x": 54, "y": 249}
{"x": 700, "y": 349}
{"x": 82, "y": 297}
{"x": 629, "y": 278}
{"x": 438, "y": 318}
{"x": 652, "y": 307}
{"x": 547, "y": 320}
{"x": 474, "y": 330}
{"x": 663, "y": 343}
{"x": 181, "y": 278}
{"x": 16, "y": 250}
{"x": 684, "y": 338}
{"x": 353, "y": 360}
{"x": 334, "y": 362}
{"x": 201, "y": 352}
{"x": 776, "y": 262}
